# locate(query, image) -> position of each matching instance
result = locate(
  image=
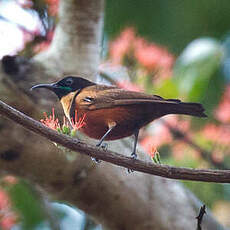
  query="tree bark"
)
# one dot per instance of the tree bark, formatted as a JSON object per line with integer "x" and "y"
{"x": 114, "y": 198}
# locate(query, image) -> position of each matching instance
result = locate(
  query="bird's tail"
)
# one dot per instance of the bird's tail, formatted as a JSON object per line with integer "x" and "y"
{"x": 186, "y": 108}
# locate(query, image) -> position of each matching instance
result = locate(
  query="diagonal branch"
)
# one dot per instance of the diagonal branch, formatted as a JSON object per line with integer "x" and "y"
{"x": 220, "y": 176}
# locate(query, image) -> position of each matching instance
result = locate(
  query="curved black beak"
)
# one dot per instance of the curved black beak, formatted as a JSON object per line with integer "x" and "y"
{"x": 47, "y": 86}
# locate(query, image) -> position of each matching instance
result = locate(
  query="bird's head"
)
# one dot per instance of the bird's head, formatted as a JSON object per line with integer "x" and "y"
{"x": 66, "y": 85}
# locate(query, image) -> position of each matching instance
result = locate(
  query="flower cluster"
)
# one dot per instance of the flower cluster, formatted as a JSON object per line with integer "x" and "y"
{"x": 160, "y": 128}
{"x": 219, "y": 134}
{"x": 78, "y": 123}
{"x": 154, "y": 154}
{"x": 51, "y": 121}
{"x": 69, "y": 129}
{"x": 129, "y": 48}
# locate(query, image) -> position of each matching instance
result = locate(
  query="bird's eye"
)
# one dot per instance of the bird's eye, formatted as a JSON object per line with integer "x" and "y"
{"x": 69, "y": 81}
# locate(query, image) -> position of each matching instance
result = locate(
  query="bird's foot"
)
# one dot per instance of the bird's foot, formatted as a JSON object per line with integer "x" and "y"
{"x": 134, "y": 155}
{"x": 95, "y": 160}
{"x": 104, "y": 146}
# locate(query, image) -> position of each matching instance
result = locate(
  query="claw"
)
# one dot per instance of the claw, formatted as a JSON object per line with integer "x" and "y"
{"x": 104, "y": 146}
{"x": 134, "y": 155}
{"x": 95, "y": 160}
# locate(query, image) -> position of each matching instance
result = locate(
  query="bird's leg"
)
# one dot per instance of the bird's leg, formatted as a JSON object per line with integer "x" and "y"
{"x": 111, "y": 125}
{"x": 133, "y": 154}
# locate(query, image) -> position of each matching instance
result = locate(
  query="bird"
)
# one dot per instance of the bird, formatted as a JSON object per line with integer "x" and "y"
{"x": 112, "y": 113}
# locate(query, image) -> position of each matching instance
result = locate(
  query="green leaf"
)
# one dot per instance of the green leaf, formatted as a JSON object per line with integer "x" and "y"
{"x": 28, "y": 205}
{"x": 213, "y": 93}
{"x": 167, "y": 89}
{"x": 196, "y": 65}
{"x": 66, "y": 130}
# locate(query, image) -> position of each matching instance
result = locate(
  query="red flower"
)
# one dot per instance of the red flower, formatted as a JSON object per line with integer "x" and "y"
{"x": 79, "y": 123}
{"x": 153, "y": 151}
{"x": 51, "y": 121}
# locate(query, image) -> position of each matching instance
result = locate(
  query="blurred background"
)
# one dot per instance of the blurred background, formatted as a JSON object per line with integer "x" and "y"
{"x": 176, "y": 49}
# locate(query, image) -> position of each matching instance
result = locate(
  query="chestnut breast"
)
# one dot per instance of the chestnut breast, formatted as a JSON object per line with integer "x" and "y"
{"x": 127, "y": 118}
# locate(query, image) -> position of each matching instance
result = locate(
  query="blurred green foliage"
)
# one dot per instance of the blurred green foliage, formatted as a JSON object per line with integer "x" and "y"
{"x": 197, "y": 72}
{"x": 34, "y": 212}
{"x": 27, "y": 204}
{"x": 171, "y": 23}
{"x": 208, "y": 193}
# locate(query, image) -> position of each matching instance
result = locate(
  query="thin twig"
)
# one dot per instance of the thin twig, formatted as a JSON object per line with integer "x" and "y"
{"x": 200, "y": 217}
{"x": 204, "y": 153}
{"x": 219, "y": 176}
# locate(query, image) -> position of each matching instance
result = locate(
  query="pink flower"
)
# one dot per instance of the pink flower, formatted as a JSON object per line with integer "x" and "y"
{"x": 10, "y": 179}
{"x": 79, "y": 123}
{"x": 122, "y": 45}
{"x": 178, "y": 150}
{"x": 4, "y": 200}
{"x": 152, "y": 57}
{"x": 219, "y": 134}
{"x": 218, "y": 156}
{"x": 222, "y": 113}
{"x": 51, "y": 121}
{"x": 7, "y": 216}
{"x": 147, "y": 55}
{"x": 154, "y": 140}
{"x": 129, "y": 86}
{"x": 8, "y": 221}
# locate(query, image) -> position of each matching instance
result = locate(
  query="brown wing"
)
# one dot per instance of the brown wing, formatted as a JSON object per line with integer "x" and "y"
{"x": 100, "y": 96}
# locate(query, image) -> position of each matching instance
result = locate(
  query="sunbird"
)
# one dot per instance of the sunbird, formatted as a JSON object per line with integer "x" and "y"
{"x": 112, "y": 113}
